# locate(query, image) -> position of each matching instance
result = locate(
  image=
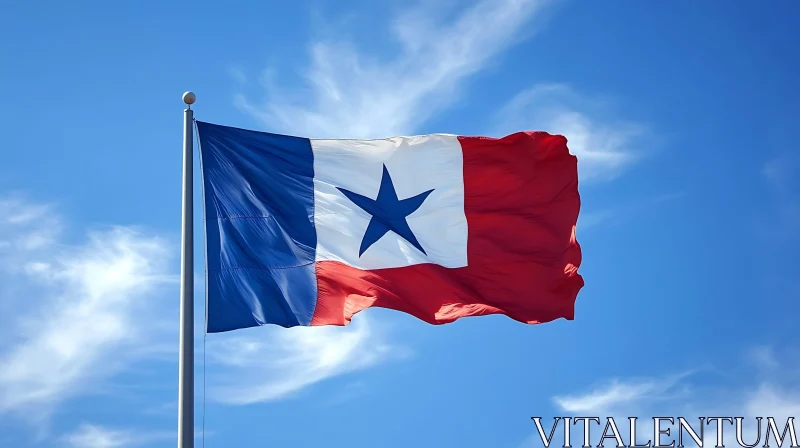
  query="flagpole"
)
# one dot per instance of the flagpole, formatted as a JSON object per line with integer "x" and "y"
{"x": 186, "y": 363}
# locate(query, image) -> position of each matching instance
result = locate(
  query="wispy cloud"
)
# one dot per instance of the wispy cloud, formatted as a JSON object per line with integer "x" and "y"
{"x": 92, "y": 436}
{"x": 764, "y": 385}
{"x": 621, "y": 395}
{"x": 766, "y": 392}
{"x": 351, "y": 94}
{"x": 356, "y": 95}
{"x": 96, "y": 436}
{"x": 254, "y": 368}
{"x": 79, "y": 311}
{"x": 605, "y": 147}
{"x": 83, "y": 313}
{"x": 25, "y": 226}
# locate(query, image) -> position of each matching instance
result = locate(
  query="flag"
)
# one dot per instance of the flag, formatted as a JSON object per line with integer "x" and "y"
{"x": 305, "y": 232}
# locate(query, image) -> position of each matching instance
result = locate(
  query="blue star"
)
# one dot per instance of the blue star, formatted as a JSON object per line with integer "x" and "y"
{"x": 388, "y": 213}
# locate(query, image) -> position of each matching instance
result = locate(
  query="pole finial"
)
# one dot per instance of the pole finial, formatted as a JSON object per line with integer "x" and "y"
{"x": 188, "y": 98}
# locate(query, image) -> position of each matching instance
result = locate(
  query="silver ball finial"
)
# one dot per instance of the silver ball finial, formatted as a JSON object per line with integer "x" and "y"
{"x": 189, "y": 98}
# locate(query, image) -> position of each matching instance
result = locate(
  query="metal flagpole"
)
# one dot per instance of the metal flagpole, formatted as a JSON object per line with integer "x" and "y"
{"x": 186, "y": 363}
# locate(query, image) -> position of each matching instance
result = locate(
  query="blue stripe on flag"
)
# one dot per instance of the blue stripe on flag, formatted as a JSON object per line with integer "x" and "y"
{"x": 260, "y": 239}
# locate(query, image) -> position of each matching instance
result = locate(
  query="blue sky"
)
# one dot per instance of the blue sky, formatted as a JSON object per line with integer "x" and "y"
{"x": 683, "y": 116}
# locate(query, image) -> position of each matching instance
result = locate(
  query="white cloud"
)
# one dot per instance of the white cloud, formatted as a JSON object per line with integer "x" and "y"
{"x": 254, "y": 368}
{"x": 95, "y": 436}
{"x": 769, "y": 392}
{"x": 772, "y": 400}
{"x": 25, "y": 226}
{"x": 605, "y": 147}
{"x": 92, "y": 436}
{"x": 354, "y": 95}
{"x": 81, "y": 312}
{"x": 614, "y": 395}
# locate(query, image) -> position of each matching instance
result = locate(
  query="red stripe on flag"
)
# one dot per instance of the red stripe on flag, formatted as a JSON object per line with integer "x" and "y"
{"x": 521, "y": 202}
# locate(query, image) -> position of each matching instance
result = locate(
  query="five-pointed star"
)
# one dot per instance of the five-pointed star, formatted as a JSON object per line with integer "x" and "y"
{"x": 388, "y": 213}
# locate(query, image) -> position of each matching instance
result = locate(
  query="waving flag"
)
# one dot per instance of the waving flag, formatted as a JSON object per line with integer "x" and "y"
{"x": 312, "y": 231}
